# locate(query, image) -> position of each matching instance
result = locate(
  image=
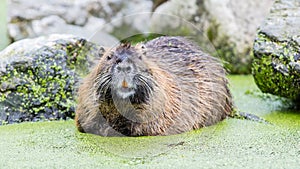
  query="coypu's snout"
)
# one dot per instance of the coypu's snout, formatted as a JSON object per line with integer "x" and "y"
{"x": 123, "y": 78}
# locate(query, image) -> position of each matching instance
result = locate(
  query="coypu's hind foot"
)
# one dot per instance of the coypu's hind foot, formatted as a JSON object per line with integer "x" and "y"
{"x": 248, "y": 116}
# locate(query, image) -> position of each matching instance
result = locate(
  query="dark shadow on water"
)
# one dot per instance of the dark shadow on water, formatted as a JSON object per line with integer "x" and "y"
{"x": 283, "y": 104}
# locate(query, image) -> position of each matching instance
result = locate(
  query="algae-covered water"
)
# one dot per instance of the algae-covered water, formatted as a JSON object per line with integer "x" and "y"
{"x": 233, "y": 143}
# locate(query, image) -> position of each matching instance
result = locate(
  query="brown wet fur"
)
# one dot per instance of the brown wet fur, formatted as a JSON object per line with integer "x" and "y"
{"x": 190, "y": 91}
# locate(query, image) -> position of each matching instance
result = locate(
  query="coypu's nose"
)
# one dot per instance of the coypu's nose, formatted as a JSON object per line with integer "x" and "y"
{"x": 124, "y": 84}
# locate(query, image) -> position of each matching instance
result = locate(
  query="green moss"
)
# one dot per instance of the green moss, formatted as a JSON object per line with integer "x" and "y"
{"x": 41, "y": 84}
{"x": 77, "y": 52}
{"x": 271, "y": 68}
{"x": 38, "y": 91}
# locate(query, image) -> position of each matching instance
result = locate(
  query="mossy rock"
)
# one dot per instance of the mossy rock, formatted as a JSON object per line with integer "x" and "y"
{"x": 276, "y": 67}
{"x": 39, "y": 77}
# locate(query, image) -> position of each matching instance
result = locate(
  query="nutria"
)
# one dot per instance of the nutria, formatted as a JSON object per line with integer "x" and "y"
{"x": 165, "y": 86}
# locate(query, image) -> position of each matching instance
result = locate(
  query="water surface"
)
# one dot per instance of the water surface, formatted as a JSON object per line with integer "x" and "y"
{"x": 233, "y": 143}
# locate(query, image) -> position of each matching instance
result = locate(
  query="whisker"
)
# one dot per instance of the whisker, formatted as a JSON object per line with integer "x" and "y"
{"x": 145, "y": 84}
{"x": 102, "y": 84}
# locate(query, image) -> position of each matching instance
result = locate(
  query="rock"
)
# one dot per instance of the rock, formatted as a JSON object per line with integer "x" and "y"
{"x": 28, "y": 19}
{"x": 39, "y": 77}
{"x": 48, "y": 25}
{"x": 276, "y": 67}
{"x": 229, "y": 25}
{"x": 123, "y": 18}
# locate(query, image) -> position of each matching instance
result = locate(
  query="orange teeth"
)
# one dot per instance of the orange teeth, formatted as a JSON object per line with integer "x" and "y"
{"x": 124, "y": 84}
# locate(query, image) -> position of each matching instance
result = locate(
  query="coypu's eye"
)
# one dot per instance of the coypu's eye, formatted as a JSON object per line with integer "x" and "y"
{"x": 108, "y": 57}
{"x": 118, "y": 68}
{"x": 128, "y": 69}
{"x": 118, "y": 60}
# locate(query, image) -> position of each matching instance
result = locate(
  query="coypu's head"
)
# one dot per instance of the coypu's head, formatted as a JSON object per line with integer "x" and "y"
{"x": 125, "y": 74}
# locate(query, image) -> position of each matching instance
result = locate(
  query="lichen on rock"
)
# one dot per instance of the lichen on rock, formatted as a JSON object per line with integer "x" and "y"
{"x": 39, "y": 77}
{"x": 276, "y": 67}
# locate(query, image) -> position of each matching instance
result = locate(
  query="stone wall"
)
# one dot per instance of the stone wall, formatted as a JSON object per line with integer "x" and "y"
{"x": 228, "y": 26}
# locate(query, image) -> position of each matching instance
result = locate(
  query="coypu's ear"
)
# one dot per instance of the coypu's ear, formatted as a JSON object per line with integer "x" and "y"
{"x": 106, "y": 52}
{"x": 124, "y": 45}
{"x": 102, "y": 51}
{"x": 142, "y": 47}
